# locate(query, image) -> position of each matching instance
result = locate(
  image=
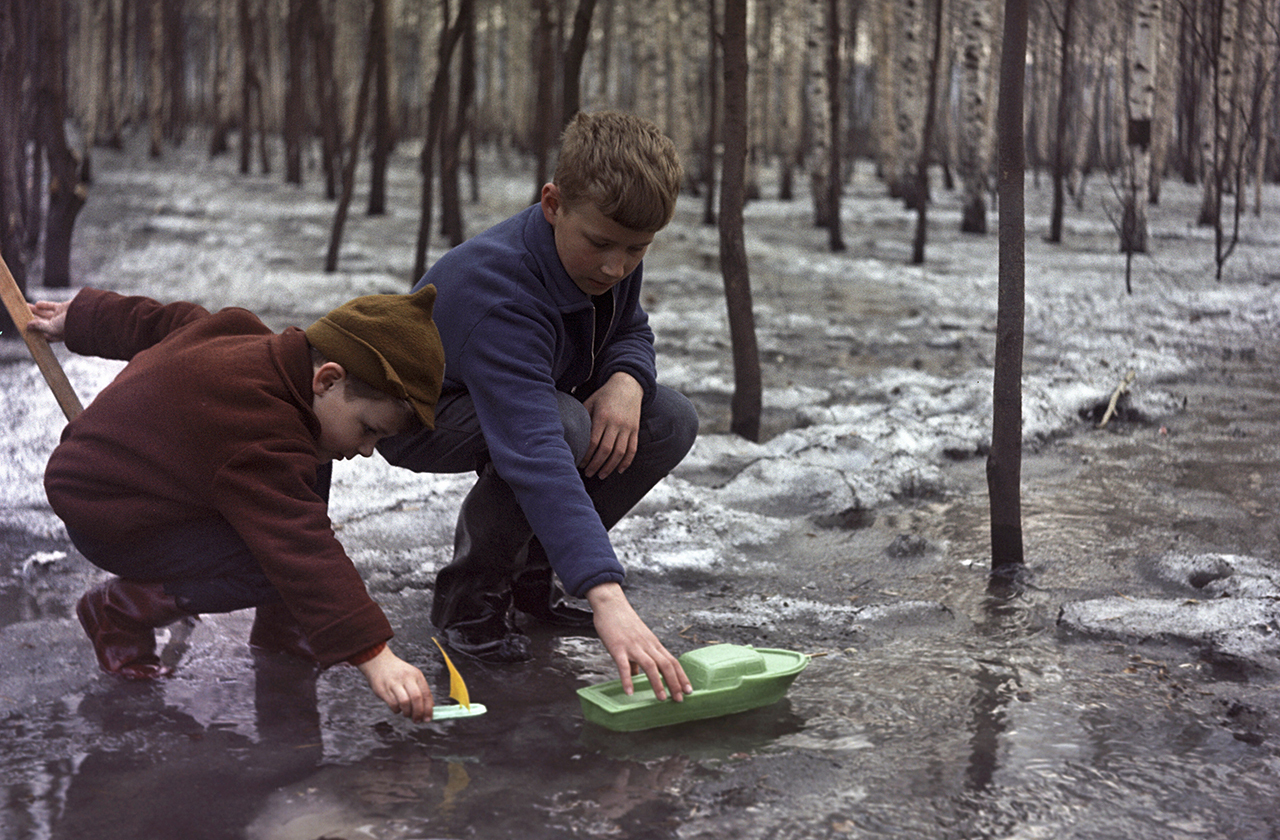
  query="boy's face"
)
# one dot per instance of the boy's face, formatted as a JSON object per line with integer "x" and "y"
{"x": 595, "y": 251}
{"x": 350, "y": 426}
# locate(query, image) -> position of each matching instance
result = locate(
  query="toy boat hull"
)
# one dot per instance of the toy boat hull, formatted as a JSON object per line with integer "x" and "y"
{"x": 726, "y": 679}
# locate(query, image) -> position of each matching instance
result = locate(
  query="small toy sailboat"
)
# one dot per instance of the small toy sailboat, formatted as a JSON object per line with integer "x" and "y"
{"x": 457, "y": 691}
{"x": 725, "y": 679}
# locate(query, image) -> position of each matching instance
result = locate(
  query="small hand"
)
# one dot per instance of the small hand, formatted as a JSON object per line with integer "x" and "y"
{"x": 400, "y": 685}
{"x": 615, "y": 425}
{"x": 49, "y": 319}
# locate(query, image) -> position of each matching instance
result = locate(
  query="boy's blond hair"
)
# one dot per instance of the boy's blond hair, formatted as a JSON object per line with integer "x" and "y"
{"x": 624, "y": 165}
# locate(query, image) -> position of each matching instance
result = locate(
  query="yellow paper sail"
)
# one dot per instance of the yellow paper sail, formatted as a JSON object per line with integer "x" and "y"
{"x": 457, "y": 688}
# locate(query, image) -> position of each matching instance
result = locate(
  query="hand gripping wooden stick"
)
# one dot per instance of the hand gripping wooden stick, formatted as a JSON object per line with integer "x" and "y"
{"x": 16, "y": 304}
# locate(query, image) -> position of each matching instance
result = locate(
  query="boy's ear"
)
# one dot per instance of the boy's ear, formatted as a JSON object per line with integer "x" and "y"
{"x": 326, "y": 376}
{"x": 551, "y": 204}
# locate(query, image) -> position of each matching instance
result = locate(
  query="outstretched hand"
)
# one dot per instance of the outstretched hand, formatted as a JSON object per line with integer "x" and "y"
{"x": 633, "y": 645}
{"x": 49, "y": 319}
{"x": 400, "y": 685}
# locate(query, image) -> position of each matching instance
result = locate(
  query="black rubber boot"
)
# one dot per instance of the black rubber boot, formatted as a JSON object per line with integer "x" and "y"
{"x": 538, "y": 594}
{"x": 275, "y": 630}
{"x": 472, "y": 601}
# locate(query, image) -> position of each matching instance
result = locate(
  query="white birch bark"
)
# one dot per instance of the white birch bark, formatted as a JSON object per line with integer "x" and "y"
{"x": 975, "y": 133}
{"x": 1147, "y": 19}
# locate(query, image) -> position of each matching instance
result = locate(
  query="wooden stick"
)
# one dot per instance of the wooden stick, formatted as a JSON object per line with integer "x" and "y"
{"x": 18, "y": 310}
{"x": 1115, "y": 398}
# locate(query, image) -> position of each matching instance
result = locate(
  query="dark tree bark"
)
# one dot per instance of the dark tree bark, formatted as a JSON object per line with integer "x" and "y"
{"x": 835, "y": 144}
{"x": 295, "y": 108}
{"x": 454, "y": 129}
{"x": 67, "y": 189}
{"x": 926, "y": 142}
{"x": 437, "y": 109}
{"x": 248, "y": 84}
{"x": 573, "y": 56}
{"x": 713, "y": 115}
{"x": 1065, "y": 88}
{"x": 747, "y": 389}
{"x": 545, "y": 122}
{"x": 14, "y": 29}
{"x": 349, "y": 170}
{"x": 1004, "y": 463}
{"x": 320, "y": 33}
{"x": 382, "y": 139}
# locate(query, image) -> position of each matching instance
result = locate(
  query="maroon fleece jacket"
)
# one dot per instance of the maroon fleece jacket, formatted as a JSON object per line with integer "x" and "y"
{"x": 211, "y": 417}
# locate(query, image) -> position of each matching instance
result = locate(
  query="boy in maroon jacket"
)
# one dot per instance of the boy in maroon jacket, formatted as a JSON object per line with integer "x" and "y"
{"x": 200, "y": 475}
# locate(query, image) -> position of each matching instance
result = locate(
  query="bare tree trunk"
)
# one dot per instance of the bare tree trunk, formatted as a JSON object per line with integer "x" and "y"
{"x": 818, "y": 114}
{"x": 926, "y": 139}
{"x": 295, "y": 103}
{"x": 976, "y": 121}
{"x": 746, "y": 402}
{"x": 1141, "y": 112}
{"x": 577, "y": 50}
{"x": 320, "y": 33}
{"x": 909, "y": 97}
{"x": 452, "y": 131}
{"x": 349, "y": 170}
{"x": 888, "y": 151}
{"x": 382, "y": 139}
{"x": 14, "y": 26}
{"x": 1004, "y": 463}
{"x": 248, "y": 84}
{"x": 67, "y": 190}
{"x": 835, "y": 148}
{"x": 1066, "y": 80}
{"x": 544, "y": 70}
{"x": 437, "y": 108}
{"x": 218, "y": 142}
{"x": 155, "y": 64}
{"x": 713, "y": 115}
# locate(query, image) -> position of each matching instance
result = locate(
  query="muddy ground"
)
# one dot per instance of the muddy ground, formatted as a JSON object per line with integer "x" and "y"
{"x": 933, "y": 707}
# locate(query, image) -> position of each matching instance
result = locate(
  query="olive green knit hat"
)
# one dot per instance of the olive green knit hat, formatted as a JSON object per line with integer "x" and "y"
{"x": 390, "y": 342}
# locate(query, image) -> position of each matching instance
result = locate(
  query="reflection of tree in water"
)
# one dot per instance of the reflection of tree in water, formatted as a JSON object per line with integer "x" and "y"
{"x": 994, "y": 680}
{"x": 159, "y": 773}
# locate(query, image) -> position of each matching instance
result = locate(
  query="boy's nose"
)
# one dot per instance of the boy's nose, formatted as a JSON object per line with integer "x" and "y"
{"x": 615, "y": 266}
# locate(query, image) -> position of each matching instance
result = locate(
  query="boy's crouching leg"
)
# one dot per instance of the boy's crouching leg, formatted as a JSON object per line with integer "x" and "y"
{"x": 275, "y": 630}
{"x": 120, "y": 618}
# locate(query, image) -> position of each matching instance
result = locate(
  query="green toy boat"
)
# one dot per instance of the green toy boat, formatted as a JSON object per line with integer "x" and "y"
{"x": 725, "y": 679}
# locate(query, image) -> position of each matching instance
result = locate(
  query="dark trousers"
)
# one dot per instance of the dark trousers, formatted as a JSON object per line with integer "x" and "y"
{"x": 494, "y": 544}
{"x": 204, "y": 564}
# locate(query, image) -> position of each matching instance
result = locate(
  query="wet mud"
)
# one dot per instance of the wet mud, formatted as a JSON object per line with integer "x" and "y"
{"x": 935, "y": 705}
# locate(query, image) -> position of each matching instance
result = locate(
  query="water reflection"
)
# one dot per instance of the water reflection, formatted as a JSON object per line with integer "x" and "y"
{"x": 154, "y": 770}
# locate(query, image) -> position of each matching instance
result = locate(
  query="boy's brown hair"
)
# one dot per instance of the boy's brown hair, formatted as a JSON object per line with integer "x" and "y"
{"x": 624, "y": 165}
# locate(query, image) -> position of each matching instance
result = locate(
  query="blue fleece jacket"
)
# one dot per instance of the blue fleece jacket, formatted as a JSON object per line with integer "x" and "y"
{"x": 516, "y": 329}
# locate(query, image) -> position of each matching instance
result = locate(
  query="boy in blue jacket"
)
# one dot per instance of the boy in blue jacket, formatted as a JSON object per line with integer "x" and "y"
{"x": 550, "y": 393}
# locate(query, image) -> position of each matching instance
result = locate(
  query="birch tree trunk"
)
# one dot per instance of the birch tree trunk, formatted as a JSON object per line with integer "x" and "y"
{"x": 1269, "y": 61}
{"x": 885, "y": 46}
{"x": 1165, "y": 107}
{"x": 1218, "y": 130}
{"x": 788, "y": 45}
{"x": 909, "y": 97}
{"x": 976, "y": 129}
{"x": 1141, "y": 113}
{"x": 816, "y": 81}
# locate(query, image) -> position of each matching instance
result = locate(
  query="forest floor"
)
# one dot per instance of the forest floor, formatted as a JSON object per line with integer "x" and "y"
{"x": 1126, "y": 689}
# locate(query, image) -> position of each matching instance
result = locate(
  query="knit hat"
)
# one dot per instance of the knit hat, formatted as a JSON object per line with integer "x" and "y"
{"x": 389, "y": 342}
